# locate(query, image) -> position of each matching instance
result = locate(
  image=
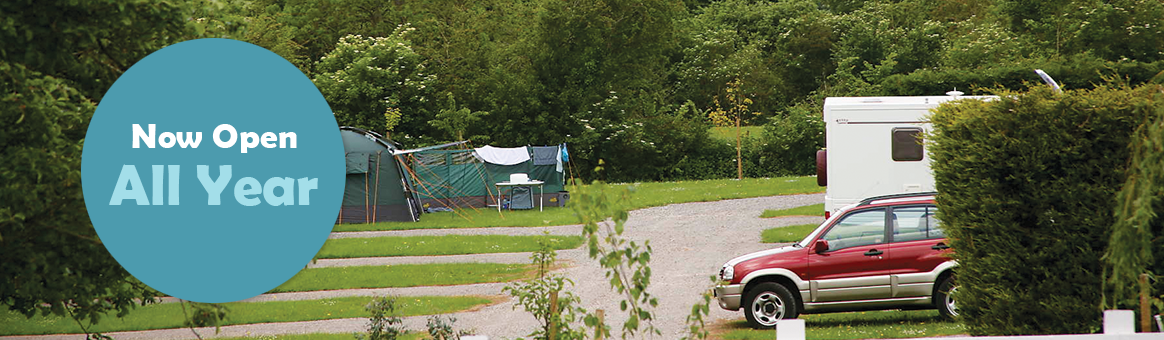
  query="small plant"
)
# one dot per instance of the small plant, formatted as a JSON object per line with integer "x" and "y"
{"x": 696, "y": 325}
{"x": 203, "y": 315}
{"x": 441, "y": 328}
{"x": 384, "y": 323}
{"x": 545, "y": 256}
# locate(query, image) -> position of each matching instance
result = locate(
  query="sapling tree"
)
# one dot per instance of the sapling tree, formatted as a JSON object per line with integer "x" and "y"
{"x": 555, "y": 317}
{"x": 737, "y": 108}
{"x": 627, "y": 263}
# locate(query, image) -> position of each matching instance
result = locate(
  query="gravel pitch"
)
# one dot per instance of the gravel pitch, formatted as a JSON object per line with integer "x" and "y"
{"x": 690, "y": 242}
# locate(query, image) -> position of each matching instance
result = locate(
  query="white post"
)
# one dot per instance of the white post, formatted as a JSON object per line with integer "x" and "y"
{"x": 790, "y": 329}
{"x": 1119, "y": 322}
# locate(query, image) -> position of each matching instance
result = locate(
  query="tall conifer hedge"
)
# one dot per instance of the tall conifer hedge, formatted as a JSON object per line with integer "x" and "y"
{"x": 1027, "y": 188}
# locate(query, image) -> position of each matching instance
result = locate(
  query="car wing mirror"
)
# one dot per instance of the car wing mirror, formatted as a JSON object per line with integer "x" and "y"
{"x": 820, "y": 246}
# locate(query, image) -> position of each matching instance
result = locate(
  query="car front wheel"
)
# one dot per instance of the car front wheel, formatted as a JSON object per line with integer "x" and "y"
{"x": 943, "y": 299}
{"x": 767, "y": 303}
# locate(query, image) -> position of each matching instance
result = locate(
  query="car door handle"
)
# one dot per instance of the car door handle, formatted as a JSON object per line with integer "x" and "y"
{"x": 940, "y": 246}
{"x": 874, "y": 252}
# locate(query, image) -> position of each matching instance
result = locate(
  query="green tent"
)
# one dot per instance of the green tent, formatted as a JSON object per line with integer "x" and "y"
{"x": 456, "y": 178}
{"x": 375, "y": 188}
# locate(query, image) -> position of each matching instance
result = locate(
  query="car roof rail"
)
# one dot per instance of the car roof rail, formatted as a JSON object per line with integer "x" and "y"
{"x": 870, "y": 200}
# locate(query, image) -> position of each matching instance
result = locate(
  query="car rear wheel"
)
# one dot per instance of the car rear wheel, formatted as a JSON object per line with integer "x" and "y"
{"x": 943, "y": 299}
{"x": 767, "y": 303}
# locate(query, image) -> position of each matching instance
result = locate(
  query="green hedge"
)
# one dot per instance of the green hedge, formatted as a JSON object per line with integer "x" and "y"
{"x": 1027, "y": 189}
{"x": 1072, "y": 73}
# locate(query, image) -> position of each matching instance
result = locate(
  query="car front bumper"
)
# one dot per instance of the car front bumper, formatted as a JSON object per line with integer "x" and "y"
{"x": 729, "y": 296}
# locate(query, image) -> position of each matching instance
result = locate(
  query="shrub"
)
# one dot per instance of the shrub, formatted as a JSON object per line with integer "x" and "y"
{"x": 789, "y": 143}
{"x": 1027, "y": 188}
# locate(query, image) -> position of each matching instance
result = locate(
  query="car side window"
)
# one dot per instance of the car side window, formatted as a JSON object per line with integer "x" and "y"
{"x": 857, "y": 229}
{"x": 915, "y": 223}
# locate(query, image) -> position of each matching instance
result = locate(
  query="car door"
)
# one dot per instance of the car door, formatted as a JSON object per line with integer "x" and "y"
{"x": 917, "y": 246}
{"x": 854, "y": 267}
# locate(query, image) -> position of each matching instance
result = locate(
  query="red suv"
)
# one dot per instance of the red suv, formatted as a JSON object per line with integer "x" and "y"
{"x": 886, "y": 252}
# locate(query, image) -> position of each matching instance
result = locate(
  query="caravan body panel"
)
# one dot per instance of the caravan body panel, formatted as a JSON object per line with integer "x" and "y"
{"x": 859, "y": 133}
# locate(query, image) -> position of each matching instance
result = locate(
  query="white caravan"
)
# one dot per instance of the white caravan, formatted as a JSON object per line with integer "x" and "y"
{"x": 873, "y": 147}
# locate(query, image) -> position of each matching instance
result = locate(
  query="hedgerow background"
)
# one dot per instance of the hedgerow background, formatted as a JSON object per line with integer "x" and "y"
{"x": 612, "y": 77}
{"x": 1027, "y": 197}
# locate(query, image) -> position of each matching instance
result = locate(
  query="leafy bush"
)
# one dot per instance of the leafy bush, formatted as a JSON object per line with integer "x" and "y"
{"x": 669, "y": 144}
{"x": 1027, "y": 188}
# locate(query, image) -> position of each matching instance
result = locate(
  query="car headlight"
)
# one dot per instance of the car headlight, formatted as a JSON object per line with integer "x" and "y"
{"x": 727, "y": 273}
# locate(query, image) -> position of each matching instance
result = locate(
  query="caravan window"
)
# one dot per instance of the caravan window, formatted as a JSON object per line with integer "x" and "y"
{"x": 907, "y": 144}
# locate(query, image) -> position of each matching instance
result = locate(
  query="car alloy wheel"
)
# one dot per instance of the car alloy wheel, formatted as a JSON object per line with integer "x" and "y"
{"x": 950, "y": 306}
{"x": 943, "y": 298}
{"x": 766, "y": 303}
{"x": 767, "y": 308}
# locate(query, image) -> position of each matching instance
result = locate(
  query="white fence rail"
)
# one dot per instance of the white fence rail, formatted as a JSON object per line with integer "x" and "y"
{"x": 1117, "y": 325}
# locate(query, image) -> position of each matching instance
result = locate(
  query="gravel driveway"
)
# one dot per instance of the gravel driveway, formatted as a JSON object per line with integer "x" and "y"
{"x": 690, "y": 241}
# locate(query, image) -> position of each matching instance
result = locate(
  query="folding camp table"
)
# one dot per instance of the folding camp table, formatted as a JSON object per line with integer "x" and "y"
{"x": 541, "y": 191}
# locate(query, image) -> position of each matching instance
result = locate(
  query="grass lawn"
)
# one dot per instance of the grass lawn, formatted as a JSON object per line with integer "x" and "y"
{"x": 792, "y": 233}
{"x": 169, "y": 315}
{"x": 808, "y": 210}
{"x": 405, "y": 275}
{"x": 650, "y": 194}
{"x": 439, "y": 245}
{"x": 729, "y": 133}
{"x": 857, "y": 325}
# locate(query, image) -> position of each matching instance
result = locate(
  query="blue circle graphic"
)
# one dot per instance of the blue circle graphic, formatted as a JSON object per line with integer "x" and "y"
{"x": 213, "y": 170}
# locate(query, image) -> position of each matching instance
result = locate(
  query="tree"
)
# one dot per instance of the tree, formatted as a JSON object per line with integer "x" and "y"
{"x": 54, "y": 69}
{"x": 737, "y": 109}
{"x": 1135, "y": 233}
{"x": 303, "y": 31}
{"x": 376, "y": 83}
{"x": 588, "y": 54}
{"x": 781, "y": 50}
{"x": 456, "y": 121}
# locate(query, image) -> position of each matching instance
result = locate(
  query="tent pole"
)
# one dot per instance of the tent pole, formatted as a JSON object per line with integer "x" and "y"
{"x": 376, "y": 199}
{"x": 366, "y": 197}
{"x": 412, "y": 194}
